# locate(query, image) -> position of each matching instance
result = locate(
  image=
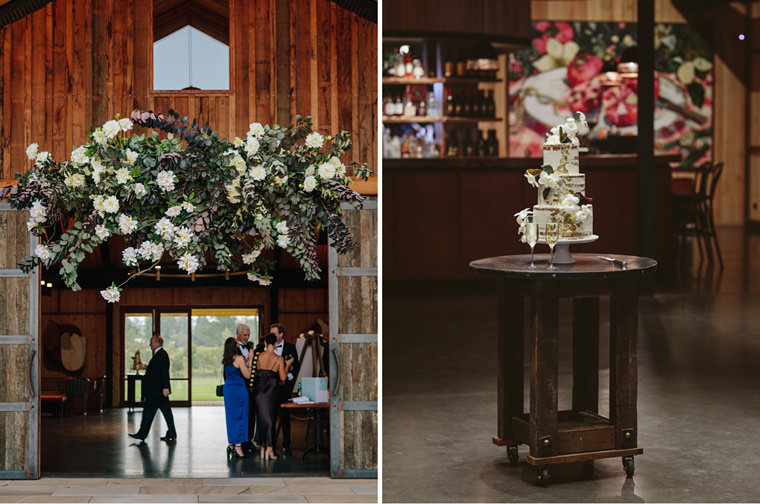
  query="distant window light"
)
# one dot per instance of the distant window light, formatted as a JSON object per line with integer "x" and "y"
{"x": 190, "y": 59}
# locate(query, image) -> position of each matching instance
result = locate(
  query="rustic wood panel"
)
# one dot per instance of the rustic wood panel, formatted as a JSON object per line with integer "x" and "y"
{"x": 71, "y": 65}
{"x": 13, "y": 224}
{"x": 360, "y": 451}
{"x": 14, "y": 306}
{"x": 14, "y": 440}
{"x": 601, "y": 10}
{"x": 754, "y": 188}
{"x": 14, "y": 366}
{"x": 358, "y": 368}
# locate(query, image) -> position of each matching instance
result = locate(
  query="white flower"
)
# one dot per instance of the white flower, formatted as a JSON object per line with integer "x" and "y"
{"x": 127, "y": 224}
{"x": 189, "y": 263}
{"x": 31, "y": 224}
{"x": 570, "y": 200}
{"x": 238, "y": 142}
{"x": 97, "y": 169}
{"x": 99, "y": 137}
{"x": 38, "y": 212}
{"x": 280, "y": 180}
{"x": 74, "y": 180}
{"x": 315, "y": 140}
{"x": 251, "y": 146}
{"x": 583, "y": 214}
{"x": 42, "y": 157}
{"x": 111, "y": 204}
{"x": 262, "y": 281}
{"x": 282, "y": 227}
{"x": 531, "y": 179}
{"x": 79, "y": 155}
{"x": 310, "y": 170}
{"x": 165, "y": 228}
{"x": 131, "y": 157}
{"x": 340, "y": 168}
{"x": 111, "y": 129}
{"x": 326, "y": 170}
{"x": 125, "y": 124}
{"x": 283, "y": 241}
{"x": 173, "y": 211}
{"x": 140, "y": 190}
{"x": 582, "y": 118}
{"x": 251, "y": 258}
{"x": 182, "y": 236}
{"x": 111, "y": 294}
{"x": 150, "y": 251}
{"x": 42, "y": 252}
{"x": 309, "y": 183}
{"x": 165, "y": 180}
{"x": 255, "y": 129}
{"x": 258, "y": 172}
{"x": 31, "y": 151}
{"x": 550, "y": 180}
{"x": 102, "y": 232}
{"x": 123, "y": 176}
{"x": 129, "y": 256}
{"x": 237, "y": 161}
{"x": 188, "y": 207}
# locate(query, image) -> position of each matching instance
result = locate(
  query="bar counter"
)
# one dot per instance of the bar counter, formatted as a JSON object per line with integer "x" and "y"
{"x": 440, "y": 214}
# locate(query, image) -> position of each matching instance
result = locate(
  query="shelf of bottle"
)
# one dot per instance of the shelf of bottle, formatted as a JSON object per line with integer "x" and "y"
{"x": 432, "y": 119}
{"x": 436, "y": 80}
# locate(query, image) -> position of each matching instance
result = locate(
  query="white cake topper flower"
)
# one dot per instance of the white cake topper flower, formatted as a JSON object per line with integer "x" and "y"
{"x": 567, "y": 132}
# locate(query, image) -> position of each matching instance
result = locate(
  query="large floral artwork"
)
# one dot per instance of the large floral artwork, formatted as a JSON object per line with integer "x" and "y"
{"x": 189, "y": 196}
{"x": 564, "y": 72}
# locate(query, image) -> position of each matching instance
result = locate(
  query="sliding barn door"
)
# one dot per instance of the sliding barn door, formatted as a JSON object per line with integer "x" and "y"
{"x": 353, "y": 347}
{"x": 19, "y": 344}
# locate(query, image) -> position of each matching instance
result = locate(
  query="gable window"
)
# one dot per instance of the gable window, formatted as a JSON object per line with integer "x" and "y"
{"x": 191, "y": 45}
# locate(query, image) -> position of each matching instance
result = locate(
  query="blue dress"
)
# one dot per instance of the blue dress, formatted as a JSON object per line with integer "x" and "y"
{"x": 235, "y": 405}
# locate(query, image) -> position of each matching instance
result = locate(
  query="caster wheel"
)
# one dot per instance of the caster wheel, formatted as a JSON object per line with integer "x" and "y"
{"x": 543, "y": 476}
{"x": 512, "y": 454}
{"x": 628, "y": 466}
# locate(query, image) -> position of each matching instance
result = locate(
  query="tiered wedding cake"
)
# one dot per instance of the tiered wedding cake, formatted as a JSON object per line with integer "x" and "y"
{"x": 561, "y": 186}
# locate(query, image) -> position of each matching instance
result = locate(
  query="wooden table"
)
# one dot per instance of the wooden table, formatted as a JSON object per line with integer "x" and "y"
{"x": 317, "y": 447}
{"x": 529, "y": 307}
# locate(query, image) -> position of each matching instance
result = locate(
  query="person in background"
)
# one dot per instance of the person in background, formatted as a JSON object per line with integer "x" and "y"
{"x": 285, "y": 349}
{"x": 236, "y": 405}
{"x": 272, "y": 370}
{"x": 156, "y": 390}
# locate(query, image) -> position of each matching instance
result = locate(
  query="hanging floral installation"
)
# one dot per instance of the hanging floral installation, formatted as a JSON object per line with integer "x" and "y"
{"x": 189, "y": 195}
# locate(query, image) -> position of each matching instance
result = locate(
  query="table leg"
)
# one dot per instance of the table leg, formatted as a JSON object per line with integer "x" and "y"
{"x": 317, "y": 447}
{"x": 544, "y": 359}
{"x": 510, "y": 350}
{"x": 586, "y": 354}
{"x": 624, "y": 361}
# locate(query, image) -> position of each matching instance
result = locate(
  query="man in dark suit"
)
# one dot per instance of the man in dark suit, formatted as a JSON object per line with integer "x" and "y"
{"x": 288, "y": 351}
{"x": 156, "y": 390}
{"x": 243, "y": 335}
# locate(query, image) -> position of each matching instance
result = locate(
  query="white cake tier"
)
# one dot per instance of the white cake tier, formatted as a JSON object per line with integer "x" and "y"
{"x": 569, "y": 184}
{"x": 569, "y": 227}
{"x": 563, "y": 157}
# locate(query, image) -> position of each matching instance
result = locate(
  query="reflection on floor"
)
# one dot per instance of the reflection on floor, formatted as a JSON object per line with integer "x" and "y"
{"x": 698, "y": 404}
{"x": 98, "y": 446}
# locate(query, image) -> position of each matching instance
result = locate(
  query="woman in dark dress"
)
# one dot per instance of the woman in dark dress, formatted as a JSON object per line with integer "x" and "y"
{"x": 271, "y": 371}
{"x": 236, "y": 371}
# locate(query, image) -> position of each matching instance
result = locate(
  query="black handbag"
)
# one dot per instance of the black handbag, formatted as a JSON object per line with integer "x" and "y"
{"x": 220, "y": 391}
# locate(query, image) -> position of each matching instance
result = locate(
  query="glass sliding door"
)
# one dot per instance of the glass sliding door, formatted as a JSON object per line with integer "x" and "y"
{"x": 138, "y": 328}
{"x": 174, "y": 328}
{"x": 209, "y": 328}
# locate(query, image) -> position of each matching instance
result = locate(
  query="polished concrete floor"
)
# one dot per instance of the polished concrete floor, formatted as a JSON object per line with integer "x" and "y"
{"x": 98, "y": 446}
{"x": 698, "y": 402}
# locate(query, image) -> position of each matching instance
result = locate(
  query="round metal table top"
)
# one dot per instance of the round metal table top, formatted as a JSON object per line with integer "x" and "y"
{"x": 586, "y": 266}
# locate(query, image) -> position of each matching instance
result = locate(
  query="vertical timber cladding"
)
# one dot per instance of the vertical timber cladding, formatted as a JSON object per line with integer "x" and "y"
{"x": 19, "y": 309}
{"x": 353, "y": 348}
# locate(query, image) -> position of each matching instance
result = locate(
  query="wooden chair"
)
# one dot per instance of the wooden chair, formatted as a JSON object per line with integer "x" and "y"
{"x": 693, "y": 208}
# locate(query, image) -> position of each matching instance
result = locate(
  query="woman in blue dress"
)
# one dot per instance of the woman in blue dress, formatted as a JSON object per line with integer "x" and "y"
{"x": 236, "y": 371}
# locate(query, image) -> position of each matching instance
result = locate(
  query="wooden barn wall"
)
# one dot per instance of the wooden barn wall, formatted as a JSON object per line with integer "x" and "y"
{"x": 730, "y": 104}
{"x": 299, "y": 309}
{"x": 75, "y": 64}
